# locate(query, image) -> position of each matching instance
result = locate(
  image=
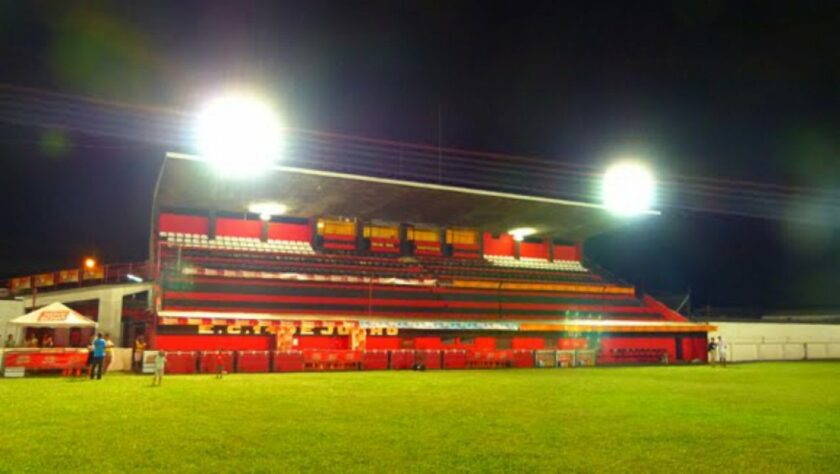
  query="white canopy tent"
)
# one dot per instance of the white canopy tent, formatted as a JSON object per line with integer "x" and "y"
{"x": 54, "y": 315}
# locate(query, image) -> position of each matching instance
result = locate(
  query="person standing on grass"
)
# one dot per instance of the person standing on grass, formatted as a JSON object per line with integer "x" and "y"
{"x": 90, "y": 355}
{"x": 98, "y": 357}
{"x": 712, "y": 351}
{"x": 109, "y": 351}
{"x": 721, "y": 349}
{"x": 139, "y": 348}
{"x": 160, "y": 363}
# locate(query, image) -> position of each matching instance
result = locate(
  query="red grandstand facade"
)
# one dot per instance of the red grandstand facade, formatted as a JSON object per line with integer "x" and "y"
{"x": 367, "y": 273}
{"x": 453, "y": 297}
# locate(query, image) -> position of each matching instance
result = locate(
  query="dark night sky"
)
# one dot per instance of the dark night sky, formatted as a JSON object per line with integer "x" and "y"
{"x": 721, "y": 89}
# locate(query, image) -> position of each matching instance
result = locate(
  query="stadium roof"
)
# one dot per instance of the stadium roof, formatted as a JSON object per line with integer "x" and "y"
{"x": 189, "y": 184}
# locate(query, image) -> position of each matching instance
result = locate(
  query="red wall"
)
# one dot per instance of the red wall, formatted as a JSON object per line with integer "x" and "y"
{"x": 284, "y": 231}
{"x": 667, "y": 343}
{"x": 238, "y": 227}
{"x": 212, "y": 343}
{"x": 530, "y": 343}
{"x": 534, "y": 250}
{"x": 323, "y": 342}
{"x": 504, "y": 245}
{"x": 566, "y": 252}
{"x": 184, "y": 224}
{"x": 382, "y": 342}
{"x": 428, "y": 343}
{"x": 480, "y": 343}
{"x": 694, "y": 348}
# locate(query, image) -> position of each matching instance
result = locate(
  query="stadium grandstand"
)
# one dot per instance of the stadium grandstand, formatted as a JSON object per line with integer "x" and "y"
{"x": 350, "y": 271}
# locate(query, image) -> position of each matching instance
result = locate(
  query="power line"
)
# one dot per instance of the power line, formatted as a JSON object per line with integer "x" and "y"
{"x": 415, "y": 161}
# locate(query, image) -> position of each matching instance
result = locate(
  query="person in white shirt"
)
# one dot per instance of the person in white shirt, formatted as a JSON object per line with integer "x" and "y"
{"x": 721, "y": 349}
{"x": 160, "y": 363}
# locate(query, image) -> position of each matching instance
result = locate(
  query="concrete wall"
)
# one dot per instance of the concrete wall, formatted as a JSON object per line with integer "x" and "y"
{"x": 779, "y": 341}
{"x": 110, "y": 299}
{"x": 10, "y": 309}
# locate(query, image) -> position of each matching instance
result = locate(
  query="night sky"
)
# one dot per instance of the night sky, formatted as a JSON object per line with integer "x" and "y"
{"x": 723, "y": 90}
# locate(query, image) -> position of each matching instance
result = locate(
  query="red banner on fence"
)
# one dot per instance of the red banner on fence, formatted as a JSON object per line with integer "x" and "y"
{"x": 68, "y": 276}
{"x": 44, "y": 279}
{"x": 46, "y": 359}
{"x": 21, "y": 283}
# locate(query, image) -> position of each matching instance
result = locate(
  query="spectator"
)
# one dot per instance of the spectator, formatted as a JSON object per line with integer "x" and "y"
{"x": 48, "y": 341}
{"x": 109, "y": 350}
{"x": 90, "y": 355}
{"x": 32, "y": 342}
{"x": 139, "y": 348}
{"x": 98, "y": 357}
{"x": 712, "y": 350}
{"x": 10, "y": 342}
{"x": 721, "y": 348}
{"x": 160, "y": 363}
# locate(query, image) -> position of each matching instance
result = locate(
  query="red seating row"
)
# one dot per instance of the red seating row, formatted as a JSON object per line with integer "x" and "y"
{"x": 489, "y": 359}
{"x": 640, "y": 355}
{"x": 190, "y": 362}
{"x": 523, "y": 359}
{"x": 332, "y": 360}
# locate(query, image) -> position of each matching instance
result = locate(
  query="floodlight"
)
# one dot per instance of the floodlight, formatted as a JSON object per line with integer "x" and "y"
{"x": 628, "y": 188}
{"x": 238, "y": 135}
{"x": 90, "y": 263}
{"x": 520, "y": 233}
{"x": 267, "y": 209}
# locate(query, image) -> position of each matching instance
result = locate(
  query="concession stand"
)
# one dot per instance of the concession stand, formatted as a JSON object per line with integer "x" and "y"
{"x": 66, "y": 359}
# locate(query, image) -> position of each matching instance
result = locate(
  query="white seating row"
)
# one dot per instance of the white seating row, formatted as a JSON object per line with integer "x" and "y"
{"x": 535, "y": 263}
{"x": 225, "y": 242}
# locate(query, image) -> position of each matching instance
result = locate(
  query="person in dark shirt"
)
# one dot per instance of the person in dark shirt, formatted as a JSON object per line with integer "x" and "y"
{"x": 712, "y": 350}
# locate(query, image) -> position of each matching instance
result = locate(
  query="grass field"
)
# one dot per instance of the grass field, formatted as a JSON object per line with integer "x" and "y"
{"x": 770, "y": 417}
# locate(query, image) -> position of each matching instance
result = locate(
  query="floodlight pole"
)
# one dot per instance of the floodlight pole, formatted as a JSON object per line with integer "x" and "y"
{"x": 153, "y": 214}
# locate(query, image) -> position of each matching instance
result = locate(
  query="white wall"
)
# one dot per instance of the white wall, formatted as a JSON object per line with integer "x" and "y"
{"x": 10, "y": 309}
{"x": 779, "y": 341}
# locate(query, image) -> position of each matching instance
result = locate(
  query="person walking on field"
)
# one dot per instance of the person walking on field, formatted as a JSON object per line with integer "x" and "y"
{"x": 721, "y": 349}
{"x": 712, "y": 351}
{"x": 160, "y": 363}
{"x": 98, "y": 357}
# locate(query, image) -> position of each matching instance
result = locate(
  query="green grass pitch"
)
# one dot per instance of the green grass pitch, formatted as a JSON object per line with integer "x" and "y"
{"x": 769, "y": 417}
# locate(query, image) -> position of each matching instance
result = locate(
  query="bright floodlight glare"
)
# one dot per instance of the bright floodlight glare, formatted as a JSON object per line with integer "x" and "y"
{"x": 90, "y": 263}
{"x": 267, "y": 209}
{"x": 628, "y": 189}
{"x": 238, "y": 135}
{"x": 521, "y": 232}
